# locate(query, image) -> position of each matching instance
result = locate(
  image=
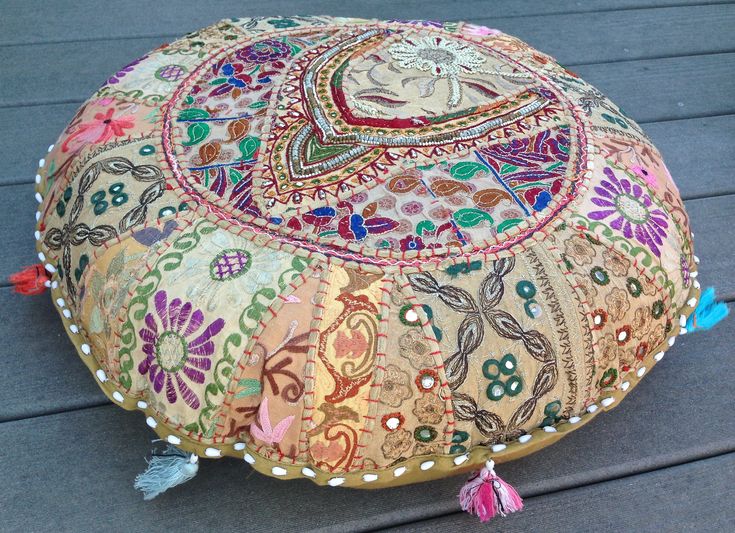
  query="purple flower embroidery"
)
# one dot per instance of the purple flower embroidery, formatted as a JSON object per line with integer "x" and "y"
{"x": 176, "y": 350}
{"x": 264, "y": 52}
{"x": 632, "y": 211}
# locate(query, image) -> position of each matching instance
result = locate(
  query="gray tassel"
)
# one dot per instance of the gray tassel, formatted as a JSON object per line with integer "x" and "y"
{"x": 165, "y": 470}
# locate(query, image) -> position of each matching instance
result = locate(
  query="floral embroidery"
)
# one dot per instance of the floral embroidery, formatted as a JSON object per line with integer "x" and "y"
{"x": 266, "y": 432}
{"x": 579, "y": 250}
{"x": 616, "y": 263}
{"x": 176, "y": 349}
{"x": 632, "y": 210}
{"x": 395, "y": 386}
{"x": 101, "y": 129}
{"x": 617, "y": 303}
{"x": 429, "y": 409}
{"x": 396, "y": 443}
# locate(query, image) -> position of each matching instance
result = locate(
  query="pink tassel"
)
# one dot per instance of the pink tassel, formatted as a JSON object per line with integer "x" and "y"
{"x": 486, "y": 495}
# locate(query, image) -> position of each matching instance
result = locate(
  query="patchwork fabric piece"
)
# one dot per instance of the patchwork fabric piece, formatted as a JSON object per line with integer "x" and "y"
{"x": 366, "y": 253}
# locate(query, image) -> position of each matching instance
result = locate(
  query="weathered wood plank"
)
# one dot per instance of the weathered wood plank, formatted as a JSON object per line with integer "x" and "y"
{"x": 676, "y": 497}
{"x": 80, "y": 19}
{"x": 677, "y": 415}
{"x": 573, "y": 40}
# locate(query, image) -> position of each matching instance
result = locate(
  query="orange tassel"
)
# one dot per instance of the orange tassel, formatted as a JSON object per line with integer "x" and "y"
{"x": 31, "y": 280}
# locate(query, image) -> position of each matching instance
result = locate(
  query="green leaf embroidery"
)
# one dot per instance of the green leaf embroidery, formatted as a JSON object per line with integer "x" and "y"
{"x": 248, "y": 146}
{"x": 257, "y": 105}
{"x": 193, "y": 114}
{"x": 507, "y": 224}
{"x": 235, "y": 176}
{"x": 466, "y": 170}
{"x": 425, "y": 226}
{"x": 468, "y": 218}
{"x": 218, "y": 81}
{"x": 506, "y": 168}
{"x": 197, "y": 131}
{"x": 249, "y": 386}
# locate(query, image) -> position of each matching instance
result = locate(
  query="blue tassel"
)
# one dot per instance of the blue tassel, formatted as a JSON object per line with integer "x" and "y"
{"x": 166, "y": 470}
{"x": 708, "y": 313}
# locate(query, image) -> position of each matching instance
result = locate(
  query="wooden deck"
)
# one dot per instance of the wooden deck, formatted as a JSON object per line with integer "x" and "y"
{"x": 663, "y": 460}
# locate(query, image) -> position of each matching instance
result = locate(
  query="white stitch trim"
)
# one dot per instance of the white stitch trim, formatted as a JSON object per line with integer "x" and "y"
{"x": 173, "y": 439}
{"x": 249, "y": 459}
{"x": 73, "y": 328}
{"x": 499, "y": 447}
{"x": 683, "y": 331}
{"x": 38, "y": 178}
{"x": 606, "y": 402}
{"x": 549, "y": 429}
{"x": 142, "y": 405}
{"x": 37, "y": 235}
{"x": 212, "y": 452}
{"x": 574, "y": 420}
{"x": 66, "y": 313}
{"x": 336, "y": 481}
{"x": 279, "y": 471}
{"x": 60, "y": 302}
{"x": 39, "y": 198}
{"x": 461, "y": 459}
{"x": 427, "y": 465}
{"x": 238, "y": 446}
{"x": 101, "y": 375}
{"x": 118, "y": 397}
{"x": 683, "y": 320}
{"x": 694, "y": 274}
{"x": 659, "y": 356}
{"x": 41, "y": 257}
{"x": 308, "y": 472}
{"x": 86, "y": 350}
{"x": 54, "y": 284}
{"x": 367, "y": 478}
{"x": 151, "y": 422}
{"x": 696, "y": 284}
{"x": 51, "y": 147}
{"x": 624, "y": 385}
{"x": 641, "y": 371}
{"x": 523, "y": 439}
{"x": 696, "y": 259}
{"x": 692, "y": 302}
{"x": 399, "y": 471}
{"x": 592, "y": 408}
{"x": 672, "y": 340}
{"x": 38, "y": 216}
{"x": 50, "y": 268}
{"x": 41, "y": 163}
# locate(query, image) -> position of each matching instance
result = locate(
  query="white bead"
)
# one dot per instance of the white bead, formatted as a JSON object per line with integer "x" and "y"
{"x": 672, "y": 340}
{"x": 694, "y": 274}
{"x": 37, "y": 235}
{"x": 426, "y": 465}
{"x": 367, "y": 478}
{"x": 249, "y": 458}
{"x": 308, "y": 472}
{"x": 73, "y": 328}
{"x": 607, "y": 401}
{"x": 38, "y": 178}
{"x": 624, "y": 385}
{"x": 86, "y": 350}
{"x": 60, "y": 302}
{"x": 50, "y": 268}
{"x": 279, "y": 471}
{"x": 238, "y": 446}
{"x": 641, "y": 371}
{"x": 151, "y": 422}
{"x": 523, "y": 439}
{"x": 50, "y": 147}
{"x": 683, "y": 331}
{"x": 212, "y": 452}
{"x": 101, "y": 375}
{"x": 173, "y": 439}
{"x": 118, "y": 397}
{"x": 499, "y": 447}
{"x": 399, "y": 471}
{"x": 659, "y": 356}
{"x": 39, "y": 198}
{"x": 683, "y": 320}
{"x": 549, "y": 429}
{"x": 696, "y": 259}
{"x": 66, "y": 313}
{"x": 54, "y": 284}
{"x": 336, "y": 481}
{"x": 142, "y": 405}
{"x": 41, "y": 257}
{"x": 692, "y": 302}
{"x": 41, "y": 163}
{"x": 574, "y": 420}
{"x": 461, "y": 459}
{"x": 592, "y": 408}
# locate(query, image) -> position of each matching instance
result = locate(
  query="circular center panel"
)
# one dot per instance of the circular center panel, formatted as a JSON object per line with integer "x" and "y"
{"x": 382, "y": 139}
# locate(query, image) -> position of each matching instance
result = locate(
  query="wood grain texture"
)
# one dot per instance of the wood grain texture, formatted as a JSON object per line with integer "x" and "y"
{"x": 80, "y": 19}
{"x": 572, "y": 39}
{"x": 680, "y": 495}
{"x": 676, "y": 415}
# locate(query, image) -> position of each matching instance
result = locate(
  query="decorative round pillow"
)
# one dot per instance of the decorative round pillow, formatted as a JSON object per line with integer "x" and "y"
{"x": 365, "y": 253}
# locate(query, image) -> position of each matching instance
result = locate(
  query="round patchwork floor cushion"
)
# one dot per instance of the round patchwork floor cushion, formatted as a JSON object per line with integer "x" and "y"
{"x": 366, "y": 253}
